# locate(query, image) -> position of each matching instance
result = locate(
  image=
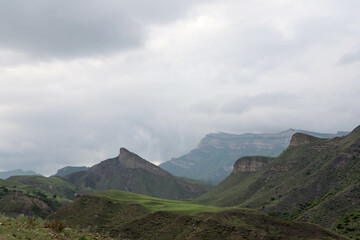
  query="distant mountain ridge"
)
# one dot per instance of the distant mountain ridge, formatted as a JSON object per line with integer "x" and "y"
{"x": 216, "y": 153}
{"x": 314, "y": 180}
{"x": 129, "y": 172}
{"x": 17, "y": 172}
{"x": 70, "y": 170}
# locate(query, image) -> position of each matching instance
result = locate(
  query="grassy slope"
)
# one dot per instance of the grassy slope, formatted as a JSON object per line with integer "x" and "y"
{"x": 17, "y": 198}
{"x": 156, "y": 204}
{"x": 317, "y": 183}
{"x": 133, "y": 216}
{"x": 51, "y": 185}
{"x": 204, "y": 185}
{"x": 28, "y": 228}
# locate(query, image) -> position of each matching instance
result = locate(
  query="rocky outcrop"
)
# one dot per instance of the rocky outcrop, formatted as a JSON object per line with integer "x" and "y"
{"x": 251, "y": 164}
{"x": 299, "y": 139}
{"x": 132, "y": 161}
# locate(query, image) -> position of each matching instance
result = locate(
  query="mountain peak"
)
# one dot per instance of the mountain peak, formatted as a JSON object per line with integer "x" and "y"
{"x": 131, "y": 160}
{"x": 123, "y": 150}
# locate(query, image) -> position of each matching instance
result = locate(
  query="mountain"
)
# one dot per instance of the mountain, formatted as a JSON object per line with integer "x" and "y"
{"x": 314, "y": 180}
{"x": 17, "y": 172}
{"x": 69, "y": 170}
{"x": 125, "y": 215}
{"x": 215, "y": 155}
{"x": 129, "y": 172}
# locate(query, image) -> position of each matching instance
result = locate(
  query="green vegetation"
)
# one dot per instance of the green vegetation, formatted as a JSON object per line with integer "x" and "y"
{"x": 350, "y": 225}
{"x": 18, "y": 198}
{"x": 23, "y": 227}
{"x": 314, "y": 180}
{"x": 157, "y": 204}
{"x": 63, "y": 190}
{"x": 204, "y": 185}
{"x": 132, "y": 216}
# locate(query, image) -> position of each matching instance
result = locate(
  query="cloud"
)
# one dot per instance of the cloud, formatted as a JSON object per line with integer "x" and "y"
{"x": 350, "y": 57}
{"x": 156, "y": 77}
{"x": 53, "y": 29}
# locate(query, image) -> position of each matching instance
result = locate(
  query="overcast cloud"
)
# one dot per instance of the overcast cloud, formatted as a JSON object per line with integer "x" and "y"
{"x": 80, "y": 79}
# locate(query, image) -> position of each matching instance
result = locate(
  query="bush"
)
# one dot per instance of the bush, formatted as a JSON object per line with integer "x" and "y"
{"x": 55, "y": 225}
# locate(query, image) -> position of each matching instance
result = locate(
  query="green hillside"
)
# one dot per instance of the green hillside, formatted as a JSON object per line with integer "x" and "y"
{"x": 23, "y": 227}
{"x": 125, "y": 215}
{"x": 314, "y": 180}
{"x": 17, "y": 198}
{"x": 55, "y": 186}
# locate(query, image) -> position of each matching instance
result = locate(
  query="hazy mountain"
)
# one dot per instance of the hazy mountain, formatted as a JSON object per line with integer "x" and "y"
{"x": 17, "y": 172}
{"x": 315, "y": 180}
{"x": 129, "y": 172}
{"x": 69, "y": 170}
{"x": 216, "y": 153}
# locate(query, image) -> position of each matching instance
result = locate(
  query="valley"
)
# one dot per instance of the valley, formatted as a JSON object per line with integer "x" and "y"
{"x": 310, "y": 191}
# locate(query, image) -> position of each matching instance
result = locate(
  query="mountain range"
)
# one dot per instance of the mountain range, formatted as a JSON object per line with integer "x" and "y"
{"x": 213, "y": 159}
{"x": 17, "y": 172}
{"x": 310, "y": 191}
{"x": 314, "y": 180}
{"x": 62, "y": 172}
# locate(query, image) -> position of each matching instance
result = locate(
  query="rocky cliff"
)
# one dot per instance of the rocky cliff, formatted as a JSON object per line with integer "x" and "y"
{"x": 251, "y": 164}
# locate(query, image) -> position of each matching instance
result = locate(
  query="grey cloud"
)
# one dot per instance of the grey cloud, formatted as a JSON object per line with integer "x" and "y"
{"x": 160, "y": 101}
{"x": 350, "y": 57}
{"x": 54, "y": 29}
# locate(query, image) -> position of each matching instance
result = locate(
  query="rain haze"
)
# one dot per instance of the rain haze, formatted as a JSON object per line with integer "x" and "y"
{"x": 80, "y": 79}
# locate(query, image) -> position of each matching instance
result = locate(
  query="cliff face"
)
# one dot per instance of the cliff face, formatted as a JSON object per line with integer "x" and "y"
{"x": 133, "y": 161}
{"x": 299, "y": 139}
{"x": 251, "y": 164}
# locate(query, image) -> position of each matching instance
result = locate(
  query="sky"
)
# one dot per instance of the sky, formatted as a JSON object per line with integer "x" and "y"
{"x": 80, "y": 79}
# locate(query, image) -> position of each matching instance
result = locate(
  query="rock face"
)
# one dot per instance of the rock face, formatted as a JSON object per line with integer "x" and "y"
{"x": 251, "y": 164}
{"x": 299, "y": 139}
{"x": 129, "y": 172}
{"x": 132, "y": 161}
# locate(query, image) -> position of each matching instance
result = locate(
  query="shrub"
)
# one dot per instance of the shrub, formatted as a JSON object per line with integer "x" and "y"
{"x": 55, "y": 225}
